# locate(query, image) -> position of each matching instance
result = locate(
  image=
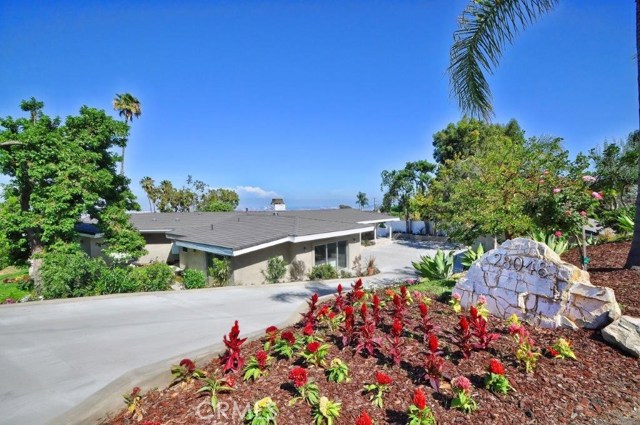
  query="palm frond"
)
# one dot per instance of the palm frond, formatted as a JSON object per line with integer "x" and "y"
{"x": 484, "y": 28}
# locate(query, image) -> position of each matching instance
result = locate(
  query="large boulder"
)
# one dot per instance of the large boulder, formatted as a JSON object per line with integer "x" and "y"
{"x": 624, "y": 333}
{"x": 527, "y": 278}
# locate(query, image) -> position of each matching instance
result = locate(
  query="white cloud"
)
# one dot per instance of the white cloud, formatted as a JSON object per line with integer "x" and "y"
{"x": 256, "y": 191}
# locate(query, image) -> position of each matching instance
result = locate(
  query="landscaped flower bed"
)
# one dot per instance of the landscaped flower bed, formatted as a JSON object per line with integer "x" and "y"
{"x": 378, "y": 358}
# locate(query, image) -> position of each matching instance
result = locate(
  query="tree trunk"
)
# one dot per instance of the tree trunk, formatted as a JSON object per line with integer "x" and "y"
{"x": 633, "y": 259}
{"x": 122, "y": 163}
{"x": 35, "y": 244}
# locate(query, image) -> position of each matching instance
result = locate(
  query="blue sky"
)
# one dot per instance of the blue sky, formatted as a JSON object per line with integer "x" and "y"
{"x": 308, "y": 100}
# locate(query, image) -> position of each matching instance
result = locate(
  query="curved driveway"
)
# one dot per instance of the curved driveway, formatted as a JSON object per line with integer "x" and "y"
{"x": 55, "y": 354}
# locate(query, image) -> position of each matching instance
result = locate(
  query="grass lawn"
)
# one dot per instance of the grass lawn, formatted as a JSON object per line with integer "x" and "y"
{"x": 11, "y": 290}
{"x": 435, "y": 287}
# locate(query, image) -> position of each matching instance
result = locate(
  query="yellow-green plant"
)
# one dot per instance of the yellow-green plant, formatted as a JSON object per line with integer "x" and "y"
{"x": 326, "y": 411}
{"x": 338, "y": 371}
{"x": 264, "y": 412}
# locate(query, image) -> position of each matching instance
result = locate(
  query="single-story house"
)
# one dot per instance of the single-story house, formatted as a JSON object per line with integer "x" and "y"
{"x": 249, "y": 239}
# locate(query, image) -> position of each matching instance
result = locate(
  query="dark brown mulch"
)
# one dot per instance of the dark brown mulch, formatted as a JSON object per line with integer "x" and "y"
{"x": 607, "y": 269}
{"x": 600, "y": 388}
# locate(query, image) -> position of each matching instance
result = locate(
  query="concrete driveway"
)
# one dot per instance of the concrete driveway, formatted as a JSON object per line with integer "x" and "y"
{"x": 55, "y": 354}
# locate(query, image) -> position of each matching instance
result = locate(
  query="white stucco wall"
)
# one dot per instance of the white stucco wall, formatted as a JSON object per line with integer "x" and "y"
{"x": 192, "y": 259}
{"x": 158, "y": 249}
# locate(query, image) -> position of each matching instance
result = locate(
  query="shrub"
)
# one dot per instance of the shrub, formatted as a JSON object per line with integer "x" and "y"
{"x": 69, "y": 272}
{"x": 276, "y": 269}
{"x": 625, "y": 224}
{"x": 436, "y": 268}
{"x": 154, "y": 277}
{"x": 296, "y": 270}
{"x": 220, "y": 271}
{"x": 117, "y": 280}
{"x": 607, "y": 235}
{"x": 558, "y": 244}
{"x": 345, "y": 274}
{"x": 323, "y": 271}
{"x": 471, "y": 255}
{"x": 371, "y": 266}
{"x": 194, "y": 279}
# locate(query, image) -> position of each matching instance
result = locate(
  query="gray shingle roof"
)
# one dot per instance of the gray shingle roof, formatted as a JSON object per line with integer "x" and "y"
{"x": 239, "y": 230}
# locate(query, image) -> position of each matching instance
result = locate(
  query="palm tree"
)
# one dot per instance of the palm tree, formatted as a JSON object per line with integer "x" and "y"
{"x": 148, "y": 185}
{"x": 484, "y": 28}
{"x": 362, "y": 200}
{"x": 127, "y": 107}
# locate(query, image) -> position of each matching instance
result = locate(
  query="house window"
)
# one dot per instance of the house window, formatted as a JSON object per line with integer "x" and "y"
{"x": 334, "y": 253}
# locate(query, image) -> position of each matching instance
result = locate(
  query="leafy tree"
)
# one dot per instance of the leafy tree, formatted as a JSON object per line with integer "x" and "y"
{"x": 362, "y": 200}
{"x": 490, "y": 192}
{"x": 484, "y": 28}
{"x": 462, "y": 139}
{"x": 615, "y": 166}
{"x": 403, "y": 184}
{"x": 58, "y": 173}
{"x": 127, "y": 107}
{"x": 196, "y": 196}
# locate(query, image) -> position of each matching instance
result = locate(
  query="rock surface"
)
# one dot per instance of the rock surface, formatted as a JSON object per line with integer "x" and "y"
{"x": 624, "y": 333}
{"x": 527, "y": 278}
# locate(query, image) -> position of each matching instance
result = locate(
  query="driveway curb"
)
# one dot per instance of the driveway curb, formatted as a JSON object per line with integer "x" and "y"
{"x": 156, "y": 375}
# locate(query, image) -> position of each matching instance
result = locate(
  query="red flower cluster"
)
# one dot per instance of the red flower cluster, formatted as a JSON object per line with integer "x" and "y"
{"x": 308, "y": 329}
{"x": 261, "y": 357}
{"x": 272, "y": 334}
{"x": 396, "y": 328}
{"x": 299, "y": 377}
{"x": 313, "y": 347}
{"x": 189, "y": 364}
{"x": 232, "y": 359}
{"x": 376, "y": 309}
{"x": 364, "y": 419}
{"x": 271, "y": 330}
{"x": 419, "y": 399}
{"x": 496, "y": 367}
{"x": 424, "y": 310}
{"x": 363, "y": 312}
{"x": 289, "y": 337}
{"x": 552, "y": 352}
{"x": 135, "y": 392}
{"x": 383, "y": 378}
{"x": 433, "y": 343}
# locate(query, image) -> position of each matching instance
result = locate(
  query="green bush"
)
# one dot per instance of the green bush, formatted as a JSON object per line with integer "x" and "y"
{"x": 436, "y": 268}
{"x": 70, "y": 273}
{"x": 323, "y": 271}
{"x": 194, "y": 279}
{"x": 471, "y": 255}
{"x": 625, "y": 224}
{"x": 557, "y": 244}
{"x": 4, "y": 252}
{"x": 220, "y": 271}
{"x": 154, "y": 277}
{"x": 276, "y": 269}
{"x": 117, "y": 280}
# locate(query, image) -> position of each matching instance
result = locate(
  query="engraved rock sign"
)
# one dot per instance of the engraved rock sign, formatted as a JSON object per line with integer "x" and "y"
{"x": 529, "y": 279}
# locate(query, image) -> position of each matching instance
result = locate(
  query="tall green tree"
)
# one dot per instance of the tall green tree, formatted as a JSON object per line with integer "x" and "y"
{"x": 148, "y": 185}
{"x": 400, "y": 186}
{"x": 57, "y": 174}
{"x": 195, "y": 196}
{"x": 128, "y": 107}
{"x": 362, "y": 200}
{"x": 484, "y": 28}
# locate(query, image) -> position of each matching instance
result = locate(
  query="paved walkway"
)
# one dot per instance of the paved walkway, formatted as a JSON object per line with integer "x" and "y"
{"x": 55, "y": 354}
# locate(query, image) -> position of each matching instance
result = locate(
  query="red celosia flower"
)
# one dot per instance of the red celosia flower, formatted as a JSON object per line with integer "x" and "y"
{"x": 348, "y": 311}
{"x": 419, "y": 399}
{"x": 358, "y": 294}
{"x": 464, "y": 324}
{"x": 299, "y": 376}
{"x": 552, "y": 352}
{"x": 396, "y": 328}
{"x": 271, "y": 329}
{"x": 339, "y": 289}
{"x": 424, "y": 310}
{"x": 288, "y": 336}
{"x": 474, "y": 312}
{"x": 363, "y": 312}
{"x": 308, "y": 329}
{"x": 461, "y": 384}
{"x": 496, "y": 367}
{"x": 332, "y": 315}
{"x": 261, "y": 357}
{"x": 323, "y": 311}
{"x": 433, "y": 343}
{"x": 376, "y": 301}
{"x": 364, "y": 419}
{"x": 403, "y": 292}
{"x": 314, "y": 298}
{"x": 188, "y": 363}
{"x": 312, "y": 347}
{"x": 383, "y": 378}
{"x": 135, "y": 391}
